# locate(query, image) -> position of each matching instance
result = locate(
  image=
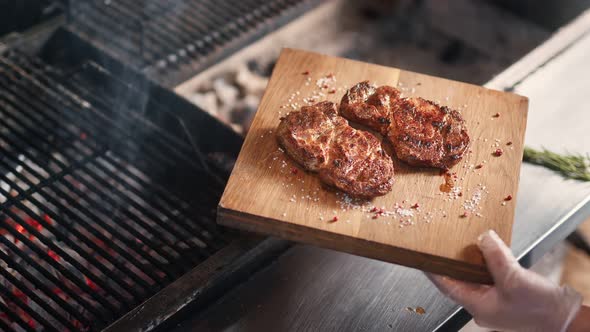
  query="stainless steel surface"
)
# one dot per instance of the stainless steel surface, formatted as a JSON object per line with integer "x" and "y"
{"x": 316, "y": 289}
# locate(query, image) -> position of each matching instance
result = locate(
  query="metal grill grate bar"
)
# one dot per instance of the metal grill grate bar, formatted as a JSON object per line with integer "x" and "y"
{"x": 87, "y": 232}
{"x": 108, "y": 199}
{"x": 164, "y": 38}
{"x": 55, "y": 202}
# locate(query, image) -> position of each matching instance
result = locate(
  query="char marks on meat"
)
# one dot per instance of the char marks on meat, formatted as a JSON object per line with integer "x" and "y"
{"x": 348, "y": 159}
{"x": 422, "y": 132}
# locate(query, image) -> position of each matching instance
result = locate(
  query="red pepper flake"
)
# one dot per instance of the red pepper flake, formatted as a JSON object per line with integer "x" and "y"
{"x": 294, "y": 170}
{"x": 332, "y": 91}
{"x": 498, "y": 152}
{"x": 83, "y": 136}
{"x": 460, "y": 194}
{"x": 415, "y": 206}
{"x": 374, "y": 209}
{"x": 508, "y": 198}
{"x": 509, "y": 143}
{"x": 335, "y": 219}
{"x": 325, "y": 86}
{"x": 479, "y": 166}
{"x": 375, "y": 216}
{"x": 306, "y": 72}
{"x": 497, "y": 115}
{"x": 465, "y": 214}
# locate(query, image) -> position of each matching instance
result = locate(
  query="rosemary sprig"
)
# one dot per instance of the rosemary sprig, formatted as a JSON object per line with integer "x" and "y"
{"x": 572, "y": 166}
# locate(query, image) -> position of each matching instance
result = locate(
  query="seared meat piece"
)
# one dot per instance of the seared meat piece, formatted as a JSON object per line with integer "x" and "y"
{"x": 422, "y": 132}
{"x": 348, "y": 159}
{"x": 307, "y": 134}
{"x": 370, "y": 106}
{"x": 357, "y": 164}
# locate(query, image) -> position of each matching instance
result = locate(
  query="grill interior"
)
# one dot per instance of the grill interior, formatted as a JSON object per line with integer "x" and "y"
{"x": 100, "y": 207}
{"x": 172, "y": 40}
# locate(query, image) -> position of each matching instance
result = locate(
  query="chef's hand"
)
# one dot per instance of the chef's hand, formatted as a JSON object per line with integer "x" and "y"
{"x": 519, "y": 300}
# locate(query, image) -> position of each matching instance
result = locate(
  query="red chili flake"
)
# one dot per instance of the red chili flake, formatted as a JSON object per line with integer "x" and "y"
{"x": 374, "y": 209}
{"x": 375, "y": 216}
{"x": 465, "y": 214}
{"x": 294, "y": 170}
{"x": 325, "y": 86}
{"x": 508, "y": 198}
{"x": 460, "y": 194}
{"x": 332, "y": 91}
{"x": 509, "y": 143}
{"x": 53, "y": 255}
{"x": 381, "y": 211}
{"x": 479, "y": 166}
{"x": 497, "y": 115}
{"x": 335, "y": 219}
{"x": 83, "y": 136}
{"x": 498, "y": 152}
{"x": 415, "y": 206}
{"x": 306, "y": 72}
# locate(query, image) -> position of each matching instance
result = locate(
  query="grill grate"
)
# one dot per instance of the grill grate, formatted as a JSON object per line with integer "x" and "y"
{"x": 87, "y": 230}
{"x": 171, "y": 40}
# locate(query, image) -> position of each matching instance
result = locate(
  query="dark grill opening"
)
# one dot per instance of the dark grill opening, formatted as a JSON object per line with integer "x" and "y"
{"x": 100, "y": 207}
{"x": 170, "y": 41}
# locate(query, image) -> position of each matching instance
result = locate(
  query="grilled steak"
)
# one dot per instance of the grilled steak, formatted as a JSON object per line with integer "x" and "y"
{"x": 370, "y": 106}
{"x": 348, "y": 159}
{"x": 422, "y": 132}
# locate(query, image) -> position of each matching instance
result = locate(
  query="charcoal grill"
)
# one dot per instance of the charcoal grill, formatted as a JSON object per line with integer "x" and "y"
{"x": 100, "y": 207}
{"x": 170, "y": 41}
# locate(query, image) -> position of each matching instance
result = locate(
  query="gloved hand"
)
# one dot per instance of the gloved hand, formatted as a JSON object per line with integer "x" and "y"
{"x": 519, "y": 300}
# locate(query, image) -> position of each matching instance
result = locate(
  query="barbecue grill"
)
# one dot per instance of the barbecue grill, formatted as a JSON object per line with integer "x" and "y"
{"x": 109, "y": 182}
{"x": 170, "y": 41}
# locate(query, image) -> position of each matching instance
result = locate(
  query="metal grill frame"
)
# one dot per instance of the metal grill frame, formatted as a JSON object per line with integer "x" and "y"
{"x": 83, "y": 156}
{"x": 213, "y": 31}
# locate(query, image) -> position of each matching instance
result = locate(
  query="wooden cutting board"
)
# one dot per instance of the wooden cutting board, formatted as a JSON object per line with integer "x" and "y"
{"x": 269, "y": 193}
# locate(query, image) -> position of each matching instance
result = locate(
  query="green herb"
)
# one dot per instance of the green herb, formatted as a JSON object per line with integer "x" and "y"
{"x": 572, "y": 166}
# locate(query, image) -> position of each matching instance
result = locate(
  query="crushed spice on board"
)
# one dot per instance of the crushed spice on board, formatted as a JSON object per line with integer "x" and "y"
{"x": 508, "y": 198}
{"x": 498, "y": 152}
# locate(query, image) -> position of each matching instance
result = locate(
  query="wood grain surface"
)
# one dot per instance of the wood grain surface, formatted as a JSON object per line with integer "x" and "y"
{"x": 269, "y": 193}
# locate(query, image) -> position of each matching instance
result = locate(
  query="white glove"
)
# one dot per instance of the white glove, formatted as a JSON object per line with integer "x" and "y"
{"x": 519, "y": 300}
